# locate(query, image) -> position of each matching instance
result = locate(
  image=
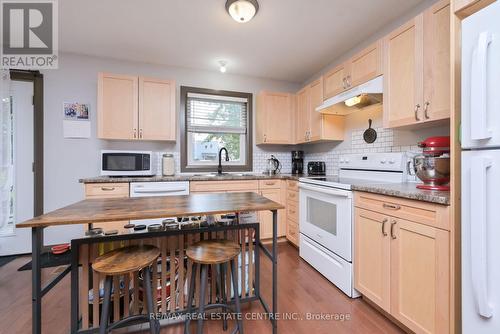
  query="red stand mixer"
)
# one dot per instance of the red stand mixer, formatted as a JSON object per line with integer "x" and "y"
{"x": 433, "y": 165}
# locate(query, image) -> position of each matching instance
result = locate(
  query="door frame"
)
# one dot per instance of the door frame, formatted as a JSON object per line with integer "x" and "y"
{"x": 37, "y": 78}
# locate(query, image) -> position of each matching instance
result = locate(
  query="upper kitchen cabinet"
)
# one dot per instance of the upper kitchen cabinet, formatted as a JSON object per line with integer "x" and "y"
{"x": 135, "y": 108}
{"x": 274, "y": 118}
{"x": 157, "y": 116}
{"x": 359, "y": 69}
{"x": 117, "y": 106}
{"x": 417, "y": 69}
{"x": 312, "y": 126}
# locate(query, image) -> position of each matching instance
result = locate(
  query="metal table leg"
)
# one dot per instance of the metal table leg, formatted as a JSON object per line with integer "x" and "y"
{"x": 36, "y": 279}
{"x": 74, "y": 287}
{"x": 275, "y": 271}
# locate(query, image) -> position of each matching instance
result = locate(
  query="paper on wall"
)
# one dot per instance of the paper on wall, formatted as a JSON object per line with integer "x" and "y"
{"x": 76, "y": 129}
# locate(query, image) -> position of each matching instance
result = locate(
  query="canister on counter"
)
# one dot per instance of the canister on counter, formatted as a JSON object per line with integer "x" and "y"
{"x": 168, "y": 164}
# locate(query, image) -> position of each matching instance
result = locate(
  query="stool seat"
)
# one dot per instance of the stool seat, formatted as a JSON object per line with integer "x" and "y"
{"x": 213, "y": 251}
{"x": 126, "y": 260}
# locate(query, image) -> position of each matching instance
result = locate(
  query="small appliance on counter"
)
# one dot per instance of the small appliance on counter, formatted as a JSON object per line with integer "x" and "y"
{"x": 128, "y": 163}
{"x": 316, "y": 168}
{"x": 273, "y": 166}
{"x": 297, "y": 162}
{"x": 433, "y": 165}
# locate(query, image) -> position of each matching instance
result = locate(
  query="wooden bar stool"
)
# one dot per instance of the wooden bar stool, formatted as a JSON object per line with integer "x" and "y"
{"x": 219, "y": 253}
{"x": 124, "y": 261}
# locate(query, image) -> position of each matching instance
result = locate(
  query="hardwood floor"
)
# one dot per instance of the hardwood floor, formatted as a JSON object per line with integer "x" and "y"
{"x": 302, "y": 291}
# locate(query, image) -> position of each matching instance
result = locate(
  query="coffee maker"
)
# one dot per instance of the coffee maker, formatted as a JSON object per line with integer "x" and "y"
{"x": 297, "y": 162}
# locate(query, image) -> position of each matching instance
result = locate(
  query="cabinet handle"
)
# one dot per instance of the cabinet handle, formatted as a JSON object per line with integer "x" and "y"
{"x": 426, "y": 108}
{"x": 393, "y": 236}
{"x": 265, "y": 138}
{"x": 348, "y": 81}
{"x": 391, "y": 206}
{"x": 384, "y": 233}
{"x": 140, "y": 133}
{"x": 107, "y": 188}
{"x": 344, "y": 81}
{"x": 135, "y": 133}
{"x": 417, "y": 107}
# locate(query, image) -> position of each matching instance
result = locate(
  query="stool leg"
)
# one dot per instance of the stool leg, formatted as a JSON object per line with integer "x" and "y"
{"x": 201, "y": 310}
{"x": 223, "y": 294}
{"x": 106, "y": 304}
{"x": 189, "y": 310}
{"x": 154, "y": 326}
{"x": 234, "y": 275}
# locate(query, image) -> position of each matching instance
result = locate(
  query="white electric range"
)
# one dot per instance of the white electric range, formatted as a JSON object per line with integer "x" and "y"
{"x": 326, "y": 212}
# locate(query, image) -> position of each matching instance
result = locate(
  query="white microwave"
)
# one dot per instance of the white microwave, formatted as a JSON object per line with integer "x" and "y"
{"x": 128, "y": 163}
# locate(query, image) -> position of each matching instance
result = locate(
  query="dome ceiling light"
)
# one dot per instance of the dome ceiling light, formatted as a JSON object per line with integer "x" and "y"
{"x": 242, "y": 11}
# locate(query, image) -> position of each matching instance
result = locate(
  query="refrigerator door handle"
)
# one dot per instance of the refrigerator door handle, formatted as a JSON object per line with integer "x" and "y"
{"x": 478, "y": 88}
{"x": 478, "y": 234}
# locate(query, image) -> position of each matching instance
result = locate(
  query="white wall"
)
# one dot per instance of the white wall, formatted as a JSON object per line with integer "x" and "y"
{"x": 67, "y": 160}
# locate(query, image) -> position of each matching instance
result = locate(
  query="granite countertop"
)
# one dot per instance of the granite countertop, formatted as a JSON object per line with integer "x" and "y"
{"x": 190, "y": 177}
{"x": 407, "y": 190}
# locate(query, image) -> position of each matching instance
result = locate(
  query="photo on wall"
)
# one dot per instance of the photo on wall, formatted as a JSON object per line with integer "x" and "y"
{"x": 76, "y": 111}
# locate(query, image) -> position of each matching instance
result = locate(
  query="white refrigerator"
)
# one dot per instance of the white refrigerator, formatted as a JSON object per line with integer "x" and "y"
{"x": 480, "y": 137}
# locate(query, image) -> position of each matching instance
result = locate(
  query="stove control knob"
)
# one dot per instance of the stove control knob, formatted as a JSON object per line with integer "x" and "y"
{"x": 346, "y": 160}
{"x": 383, "y": 161}
{"x": 342, "y": 161}
{"x": 392, "y": 161}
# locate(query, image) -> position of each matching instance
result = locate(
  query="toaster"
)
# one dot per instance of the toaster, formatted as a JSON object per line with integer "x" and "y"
{"x": 316, "y": 168}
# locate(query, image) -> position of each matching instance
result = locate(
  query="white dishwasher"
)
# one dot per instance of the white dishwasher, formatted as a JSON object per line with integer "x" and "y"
{"x": 147, "y": 189}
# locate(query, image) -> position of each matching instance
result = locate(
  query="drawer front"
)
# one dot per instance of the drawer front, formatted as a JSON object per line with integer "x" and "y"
{"x": 420, "y": 212}
{"x": 292, "y": 185}
{"x": 269, "y": 184}
{"x": 103, "y": 190}
{"x": 223, "y": 186}
{"x": 292, "y": 211}
{"x": 292, "y": 196}
{"x": 292, "y": 232}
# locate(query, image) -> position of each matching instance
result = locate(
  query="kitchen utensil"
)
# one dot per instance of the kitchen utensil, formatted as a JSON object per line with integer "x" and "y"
{"x": 433, "y": 171}
{"x": 370, "y": 135}
{"x": 110, "y": 232}
{"x": 92, "y": 232}
{"x": 139, "y": 227}
{"x": 273, "y": 166}
{"x": 155, "y": 228}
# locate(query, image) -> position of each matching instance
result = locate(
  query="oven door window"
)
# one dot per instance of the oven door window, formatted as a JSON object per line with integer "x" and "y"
{"x": 322, "y": 214}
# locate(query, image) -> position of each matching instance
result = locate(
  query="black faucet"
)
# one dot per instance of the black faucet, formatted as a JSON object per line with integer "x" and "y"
{"x": 219, "y": 168}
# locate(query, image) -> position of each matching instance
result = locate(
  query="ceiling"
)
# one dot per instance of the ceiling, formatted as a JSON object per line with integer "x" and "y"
{"x": 287, "y": 40}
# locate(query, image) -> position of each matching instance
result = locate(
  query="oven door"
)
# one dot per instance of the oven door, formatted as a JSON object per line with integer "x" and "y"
{"x": 326, "y": 217}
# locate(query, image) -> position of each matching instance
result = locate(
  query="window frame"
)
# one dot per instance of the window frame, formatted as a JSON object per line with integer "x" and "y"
{"x": 185, "y": 167}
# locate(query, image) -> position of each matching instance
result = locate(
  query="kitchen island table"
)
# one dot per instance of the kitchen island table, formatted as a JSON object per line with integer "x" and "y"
{"x": 171, "y": 242}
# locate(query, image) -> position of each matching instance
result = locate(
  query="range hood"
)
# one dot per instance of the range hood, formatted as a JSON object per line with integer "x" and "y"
{"x": 357, "y": 98}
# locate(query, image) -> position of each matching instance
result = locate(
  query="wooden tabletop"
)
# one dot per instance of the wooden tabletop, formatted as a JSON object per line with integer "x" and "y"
{"x": 116, "y": 209}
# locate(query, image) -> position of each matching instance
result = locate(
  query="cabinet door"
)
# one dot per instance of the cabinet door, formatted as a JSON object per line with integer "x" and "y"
{"x": 107, "y": 190}
{"x": 334, "y": 81}
{"x": 372, "y": 256}
{"x": 302, "y": 124}
{"x": 403, "y": 75}
{"x": 315, "y": 117}
{"x": 437, "y": 87}
{"x": 117, "y": 105}
{"x": 366, "y": 65}
{"x": 277, "y": 115}
{"x": 266, "y": 217}
{"x": 420, "y": 277}
{"x": 157, "y": 116}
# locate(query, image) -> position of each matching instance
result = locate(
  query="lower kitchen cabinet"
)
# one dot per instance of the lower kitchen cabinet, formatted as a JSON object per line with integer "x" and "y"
{"x": 420, "y": 273}
{"x": 372, "y": 254}
{"x": 107, "y": 190}
{"x": 404, "y": 266}
{"x": 292, "y": 212}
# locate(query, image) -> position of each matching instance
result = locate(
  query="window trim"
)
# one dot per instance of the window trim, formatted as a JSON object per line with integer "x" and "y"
{"x": 248, "y": 166}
